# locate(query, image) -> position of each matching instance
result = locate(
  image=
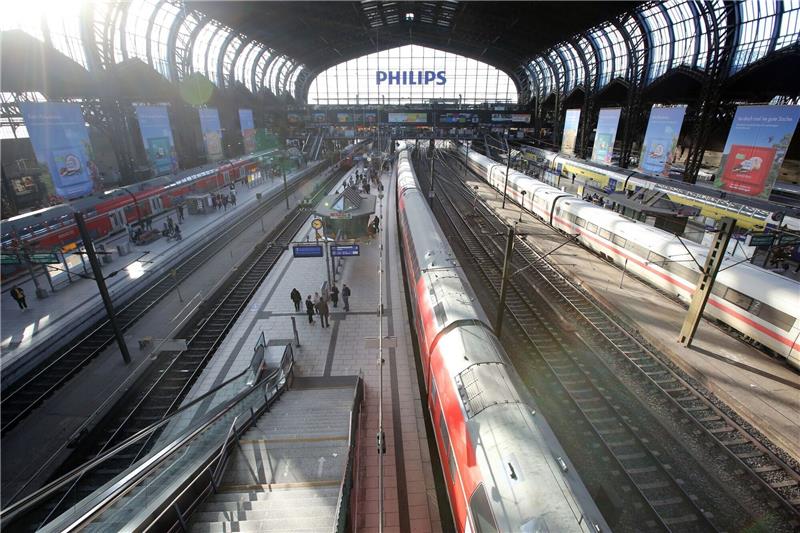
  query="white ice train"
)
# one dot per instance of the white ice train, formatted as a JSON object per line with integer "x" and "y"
{"x": 503, "y": 467}
{"x": 758, "y": 303}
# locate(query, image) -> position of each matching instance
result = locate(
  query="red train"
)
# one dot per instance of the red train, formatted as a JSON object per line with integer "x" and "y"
{"x": 503, "y": 467}
{"x": 110, "y": 211}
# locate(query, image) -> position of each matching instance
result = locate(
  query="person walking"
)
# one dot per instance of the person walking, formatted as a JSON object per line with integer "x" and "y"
{"x": 316, "y": 301}
{"x": 376, "y": 223}
{"x": 324, "y": 311}
{"x": 346, "y": 296}
{"x": 297, "y": 298}
{"x": 178, "y": 213}
{"x": 19, "y": 296}
{"x": 177, "y": 233}
{"x": 233, "y": 199}
{"x": 310, "y": 309}
{"x": 171, "y": 225}
{"x": 335, "y": 295}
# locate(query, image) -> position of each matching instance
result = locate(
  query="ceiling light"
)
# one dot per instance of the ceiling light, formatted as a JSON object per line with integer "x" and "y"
{"x": 409, "y": 17}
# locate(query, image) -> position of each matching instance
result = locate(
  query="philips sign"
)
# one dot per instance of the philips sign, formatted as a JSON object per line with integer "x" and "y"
{"x": 410, "y": 77}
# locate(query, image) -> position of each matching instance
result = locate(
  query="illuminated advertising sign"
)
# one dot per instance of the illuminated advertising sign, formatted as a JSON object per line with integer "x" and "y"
{"x": 607, "y": 123}
{"x": 294, "y": 118}
{"x": 756, "y": 147}
{"x": 248, "y": 130}
{"x": 410, "y": 77}
{"x": 511, "y": 117}
{"x": 212, "y": 132}
{"x": 570, "y": 130}
{"x": 344, "y": 118}
{"x": 661, "y": 139}
{"x": 60, "y": 140}
{"x": 458, "y": 118}
{"x": 371, "y": 117}
{"x": 408, "y": 118}
{"x": 319, "y": 117}
{"x": 157, "y": 138}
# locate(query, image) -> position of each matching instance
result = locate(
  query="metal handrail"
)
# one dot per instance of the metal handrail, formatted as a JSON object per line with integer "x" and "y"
{"x": 346, "y": 486}
{"x": 26, "y": 503}
{"x": 124, "y": 485}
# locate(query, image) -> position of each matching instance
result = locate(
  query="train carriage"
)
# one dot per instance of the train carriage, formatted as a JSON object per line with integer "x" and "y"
{"x": 759, "y": 304}
{"x": 499, "y": 459}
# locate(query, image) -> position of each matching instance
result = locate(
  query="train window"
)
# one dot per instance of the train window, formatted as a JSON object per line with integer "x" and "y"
{"x": 580, "y": 222}
{"x": 660, "y": 260}
{"x": 481, "y": 511}
{"x": 737, "y": 298}
{"x": 451, "y": 461}
{"x": 619, "y": 241}
{"x": 592, "y": 227}
{"x": 776, "y": 317}
{"x": 718, "y": 289}
{"x": 683, "y": 271}
{"x": 604, "y": 233}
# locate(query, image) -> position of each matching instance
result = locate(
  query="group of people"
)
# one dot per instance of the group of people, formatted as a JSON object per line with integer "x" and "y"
{"x": 319, "y": 304}
{"x": 374, "y": 226}
{"x": 171, "y": 230}
{"x": 221, "y": 201}
{"x": 365, "y": 181}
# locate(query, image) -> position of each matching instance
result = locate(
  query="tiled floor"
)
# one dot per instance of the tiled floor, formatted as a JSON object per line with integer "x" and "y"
{"x": 409, "y": 492}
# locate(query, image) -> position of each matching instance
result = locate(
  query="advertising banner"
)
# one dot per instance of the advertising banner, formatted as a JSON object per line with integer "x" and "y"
{"x": 157, "y": 138}
{"x": 212, "y": 132}
{"x": 570, "y": 130}
{"x": 248, "y": 130}
{"x": 606, "y": 134}
{"x": 408, "y": 118}
{"x": 522, "y": 118}
{"x": 756, "y": 147}
{"x": 344, "y": 118}
{"x": 370, "y": 117}
{"x": 661, "y": 139}
{"x": 61, "y": 142}
{"x": 459, "y": 118}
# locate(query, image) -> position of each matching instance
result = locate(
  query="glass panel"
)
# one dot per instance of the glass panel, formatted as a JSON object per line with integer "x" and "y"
{"x": 356, "y": 80}
{"x": 227, "y": 58}
{"x": 789, "y": 32}
{"x": 755, "y": 31}
{"x": 481, "y": 511}
{"x": 658, "y": 30}
{"x": 737, "y": 298}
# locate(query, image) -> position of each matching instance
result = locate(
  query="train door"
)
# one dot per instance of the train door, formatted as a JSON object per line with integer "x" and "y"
{"x": 156, "y": 205}
{"x": 118, "y": 219}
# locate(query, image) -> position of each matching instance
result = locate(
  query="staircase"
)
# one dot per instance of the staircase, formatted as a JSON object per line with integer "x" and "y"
{"x": 287, "y": 473}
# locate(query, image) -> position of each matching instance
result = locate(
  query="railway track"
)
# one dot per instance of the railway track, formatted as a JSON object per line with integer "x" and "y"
{"x": 588, "y": 384}
{"x": 24, "y": 397}
{"x": 163, "y": 388}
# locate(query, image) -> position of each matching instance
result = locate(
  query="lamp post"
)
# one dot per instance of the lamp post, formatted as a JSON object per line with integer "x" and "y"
{"x": 508, "y": 167}
{"x": 522, "y": 205}
{"x": 475, "y": 200}
{"x": 285, "y": 187}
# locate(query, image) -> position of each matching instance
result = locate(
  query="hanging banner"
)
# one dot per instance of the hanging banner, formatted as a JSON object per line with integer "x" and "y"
{"x": 606, "y": 134}
{"x": 212, "y": 132}
{"x": 157, "y": 138}
{"x": 61, "y": 142}
{"x": 248, "y": 130}
{"x": 756, "y": 147}
{"x": 570, "y": 130}
{"x": 661, "y": 139}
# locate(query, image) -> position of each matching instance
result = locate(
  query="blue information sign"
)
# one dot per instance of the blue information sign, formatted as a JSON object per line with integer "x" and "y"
{"x": 347, "y": 250}
{"x": 304, "y": 250}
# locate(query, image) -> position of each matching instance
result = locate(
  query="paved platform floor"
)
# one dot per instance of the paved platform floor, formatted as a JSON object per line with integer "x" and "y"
{"x": 46, "y": 319}
{"x": 410, "y": 494}
{"x": 763, "y": 390}
{"x": 38, "y": 444}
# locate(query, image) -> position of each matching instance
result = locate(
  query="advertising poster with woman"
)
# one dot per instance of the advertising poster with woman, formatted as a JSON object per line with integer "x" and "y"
{"x": 756, "y": 147}
{"x": 661, "y": 139}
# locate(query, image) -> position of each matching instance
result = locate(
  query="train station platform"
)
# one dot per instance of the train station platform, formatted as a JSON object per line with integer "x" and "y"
{"x": 764, "y": 391}
{"x": 347, "y": 348}
{"x": 46, "y": 324}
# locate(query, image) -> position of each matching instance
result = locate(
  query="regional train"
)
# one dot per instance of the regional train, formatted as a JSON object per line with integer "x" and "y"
{"x": 610, "y": 178}
{"x": 110, "y": 211}
{"x": 503, "y": 467}
{"x": 761, "y": 305}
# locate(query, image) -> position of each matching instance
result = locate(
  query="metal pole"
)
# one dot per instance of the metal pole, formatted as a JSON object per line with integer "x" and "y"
{"x": 101, "y": 285}
{"x": 40, "y": 292}
{"x": 430, "y": 195}
{"x": 285, "y": 187}
{"x": 294, "y": 329}
{"x": 466, "y": 155}
{"x": 508, "y": 166}
{"x": 624, "y": 268}
{"x": 498, "y": 326}
{"x": 522, "y": 205}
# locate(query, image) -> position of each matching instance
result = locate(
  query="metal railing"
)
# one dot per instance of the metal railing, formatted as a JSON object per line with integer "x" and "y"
{"x": 188, "y": 442}
{"x": 345, "y": 489}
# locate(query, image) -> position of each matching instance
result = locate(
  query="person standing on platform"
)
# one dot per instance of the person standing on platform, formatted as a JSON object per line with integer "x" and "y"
{"x": 233, "y": 199}
{"x": 179, "y": 213}
{"x": 346, "y": 297}
{"x": 316, "y": 301}
{"x": 324, "y": 311}
{"x": 335, "y": 295}
{"x": 297, "y": 298}
{"x": 310, "y": 309}
{"x": 19, "y": 296}
{"x": 171, "y": 225}
{"x": 177, "y": 233}
{"x": 225, "y": 203}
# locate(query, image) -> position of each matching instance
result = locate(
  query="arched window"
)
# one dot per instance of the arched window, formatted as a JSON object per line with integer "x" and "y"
{"x": 410, "y": 74}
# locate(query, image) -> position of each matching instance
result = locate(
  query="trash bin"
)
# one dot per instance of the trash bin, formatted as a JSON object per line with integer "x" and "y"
{"x": 258, "y": 196}
{"x": 123, "y": 249}
{"x": 101, "y": 248}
